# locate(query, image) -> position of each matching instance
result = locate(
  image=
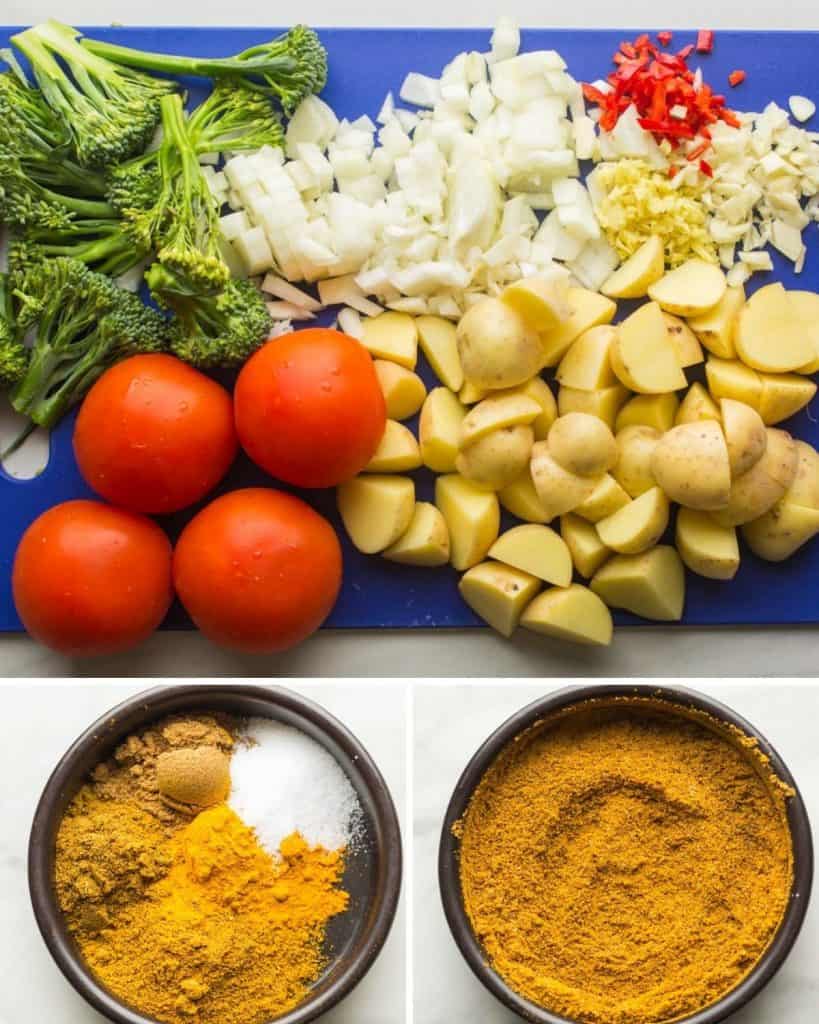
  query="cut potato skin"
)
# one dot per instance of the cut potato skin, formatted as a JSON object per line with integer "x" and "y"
{"x": 745, "y": 435}
{"x": 376, "y": 510}
{"x": 404, "y": 391}
{"x": 538, "y": 390}
{"x": 633, "y": 279}
{"x": 588, "y": 309}
{"x": 538, "y": 550}
{"x": 439, "y": 343}
{"x": 691, "y": 289}
{"x": 638, "y": 526}
{"x": 697, "y": 405}
{"x": 574, "y": 613}
{"x": 705, "y": 547}
{"x": 805, "y": 487}
{"x": 582, "y": 444}
{"x": 520, "y": 498}
{"x": 757, "y": 491}
{"x": 425, "y": 541}
{"x": 497, "y": 349}
{"x": 690, "y": 463}
{"x": 498, "y": 594}
{"x": 559, "y": 490}
{"x": 685, "y": 342}
{"x": 642, "y": 354}
{"x": 658, "y": 411}
{"x": 497, "y": 459}
{"x": 397, "y": 452}
{"x": 587, "y": 550}
{"x": 587, "y": 365}
{"x": 472, "y": 517}
{"x": 635, "y": 446}
{"x": 391, "y": 336}
{"x": 604, "y": 501}
{"x": 780, "y": 533}
{"x": 769, "y": 333}
{"x": 439, "y": 430}
{"x": 604, "y": 404}
{"x": 715, "y": 328}
{"x": 783, "y": 394}
{"x": 651, "y": 585}
{"x": 509, "y": 409}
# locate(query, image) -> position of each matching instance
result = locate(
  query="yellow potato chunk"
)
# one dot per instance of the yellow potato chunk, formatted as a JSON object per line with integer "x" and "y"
{"x": 658, "y": 411}
{"x": 757, "y": 491}
{"x": 472, "y": 516}
{"x": 637, "y": 526}
{"x": 745, "y": 435}
{"x": 559, "y": 490}
{"x": 539, "y": 390}
{"x": 635, "y": 446}
{"x": 470, "y": 393}
{"x": 376, "y": 510}
{"x": 769, "y": 333}
{"x": 543, "y": 302}
{"x": 510, "y": 409}
{"x": 498, "y": 594}
{"x": 538, "y": 550}
{"x": 691, "y": 289}
{"x": 783, "y": 394}
{"x": 497, "y": 348}
{"x": 582, "y": 444}
{"x": 779, "y": 533}
{"x": 805, "y": 487}
{"x": 497, "y": 459}
{"x": 604, "y": 501}
{"x": 696, "y": 405}
{"x": 586, "y": 365}
{"x": 642, "y": 269}
{"x": 729, "y": 378}
{"x": 397, "y": 452}
{"x": 520, "y": 498}
{"x": 806, "y": 307}
{"x": 439, "y": 430}
{"x": 403, "y": 390}
{"x": 426, "y": 540}
{"x": 574, "y": 613}
{"x": 588, "y": 309}
{"x": 642, "y": 354}
{"x": 691, "y": 464}
{"x": 605, "y": 403}
{"x": 391, "y": 336}
{"x": 651, "y": 585}
{"x": 688, "y": 349}
{"x": 707, "y": 548}
{"x": 587, "y": 550}
{"x": 439, "y": 343}
{"x": 715, "y": 328}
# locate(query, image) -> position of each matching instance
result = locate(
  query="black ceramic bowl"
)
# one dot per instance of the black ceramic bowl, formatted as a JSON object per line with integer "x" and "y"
{"x": 448, "y": 861}
{"x": 373, "y": 872}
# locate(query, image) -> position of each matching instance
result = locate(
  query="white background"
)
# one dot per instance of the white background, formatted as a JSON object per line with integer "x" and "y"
{"x": 450, "y": 725}
{"x": 39, "y": 724}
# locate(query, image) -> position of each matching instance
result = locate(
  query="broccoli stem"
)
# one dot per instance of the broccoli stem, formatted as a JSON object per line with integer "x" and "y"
{"x": 197, "y": 67}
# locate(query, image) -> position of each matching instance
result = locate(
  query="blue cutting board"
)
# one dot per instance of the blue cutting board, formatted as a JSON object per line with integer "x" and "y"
{"x": 364, "y": 65}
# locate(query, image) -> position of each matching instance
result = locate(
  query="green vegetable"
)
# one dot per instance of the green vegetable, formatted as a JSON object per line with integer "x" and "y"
{"x": 84, "y": 324}
{"x": 290, "y": 67}
{"x": 23, "y": 201}
{"x": 13, "y": 355}
{"x": 110, "y": 111}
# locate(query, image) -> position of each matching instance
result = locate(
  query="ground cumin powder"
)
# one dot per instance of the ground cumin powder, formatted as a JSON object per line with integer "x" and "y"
{"x": 623, "y": 865}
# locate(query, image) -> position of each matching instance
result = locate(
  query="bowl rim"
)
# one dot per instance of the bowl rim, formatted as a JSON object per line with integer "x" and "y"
{"x": 153, "y": 704}
{"x": 449, "y": 848}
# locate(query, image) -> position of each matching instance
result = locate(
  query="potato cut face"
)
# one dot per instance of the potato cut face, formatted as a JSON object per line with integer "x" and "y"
{"x": 635, "y": 446}
{"x": 688, "y": 349}
{"x": 606, "y": 499}
{"x": 806, "y": 308}
{"x": 784, "y": 394}
{"x": 498, "y": 594}
{"x": 538, "y": 390}
{"x": 770, "y": 335}
{"x": 391, "y": 336}
{"x": 638, "y": 526}
{"x": 697, "y": 405}
{"x": 404, "y": 391}
{"x": 658, "y": 411}
{"x": 716, "y": 327}
{"x": 707, "y": 548}
{"x": 497, "y": 459}
{"x": 757, "y": 491}
{"x": 397, "y": 452}
{"x": 586, "y": 365}
{"x": 470, "y": 393}
{"x": 691, "y": 289}
{"x": 588, "y": 309}
{"x": 472, "y": 517}
{"x": 575, "y": 614}
{"x": 439, "y": 430}
{"x": 376, "y": 510}
{"x": 633, "y": 278}
{"x": 582, "y": 444}
{"x": 587, "y": 550}
{"x": 496, "y": 412}
{"x": 520, "y": 498}
{"x": 542, "y": 302}
{"x": 605, "y": 403}
{"x": 651, "y": 585}
{"x": 559, "y": 490}
{"x": 691, "y": 464}
{"x": 426, "y": 540}
{"x": 538, "y": 550}
{"x": 729, "y": 378}
{"x": 745, "y": 435}
{"x": 642, "y": 354}
{"x": 439, "y": 343}
{"x": 780, "y": 533}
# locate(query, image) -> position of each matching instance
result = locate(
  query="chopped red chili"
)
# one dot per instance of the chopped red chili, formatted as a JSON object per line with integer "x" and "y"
{"x": 665, "y": 38}
{"x": 706, "y": 168}
{"x": 705, "y": 40}
{"x": 736, "y": 78}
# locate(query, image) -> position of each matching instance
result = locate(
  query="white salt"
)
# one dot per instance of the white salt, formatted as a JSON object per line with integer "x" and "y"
{"x": 283, "y": 782}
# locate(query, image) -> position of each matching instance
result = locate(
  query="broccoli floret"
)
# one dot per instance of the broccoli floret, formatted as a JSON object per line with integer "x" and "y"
{"x": 84, "y": 324}
{"x": 106, "y": 245}
{"x": 235, "y": 118}
{"x": 289, "y": 67}
{"x": 23, "y": 201}
{"x": 111, "y": 111}
{"x": 13, "y": 354}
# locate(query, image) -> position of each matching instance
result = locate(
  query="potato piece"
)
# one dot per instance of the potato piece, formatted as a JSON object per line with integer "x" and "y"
{"x": 757, "y": 491}
{"x": 439, "y": 430}
{"x": 690, "y": 463}
{"x": 588, "y": 309}
{"x": 604, "y": 501}
{"x": 586, "y": 365}
{"x": 498, "y": 594}
{"x": 472, "y": 516}
{"x": 574, "y": 613}
{"x": 690, "y": 289}
{"x": 537, "y": 550}
{"x": 510, "y": 409}
{"x": 783, "y": 394}
{"x": 729, "y": 378}
{"x": 651, "y": 585}
{"x": 688, "y": 349}
{"x": 604, "y": 404}
{"x": 439, "y": 343}
{"x": 497, "y": 459}
{"x": 496, "y": 348}
{"x": 806, "y": 308}
{"x": 745, "y": 435}
{"x": 582, "y": 444}
{"x": 470, "y": 393}
{"x": 376, "y": 510}
{"x": 707, "y": 548}
{"x": 559, "y": 490}
{"x": 635, "y": 447}
{"x": 520, "y": 498}
{"x": 769, "y": 333}
{"x": 403, "y": 390}
{"x": 637, "y": 526}
{"x": 587, "y": 550}
{"x": 805, "y": 487}
{"x": 781, "y": 531}
{"x": 642, "y": 269}
{"x": 715, "y": 328}
{"x": 391, "y": 336}
{"x": 539, "y": 390}
{"x": 658, "y": 411}
{"x": 542, "y": 302}
{"x": 642, "y": 354}
{"x": 397, "y": 452}
{"x": 426, "y": 540}
{"x": 696, "y": 405}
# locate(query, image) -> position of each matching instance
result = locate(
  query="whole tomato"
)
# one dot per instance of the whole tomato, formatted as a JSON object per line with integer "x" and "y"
{"x": 309, "y": 408}
{"x": 154, "y": 435}
{"x": 257, "y": 570}
{"x": 92, "y": 579}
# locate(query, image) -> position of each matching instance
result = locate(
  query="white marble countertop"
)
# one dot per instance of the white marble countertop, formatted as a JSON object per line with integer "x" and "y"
{"x": 40, "y": 722}
{"x": 451, "y": 723}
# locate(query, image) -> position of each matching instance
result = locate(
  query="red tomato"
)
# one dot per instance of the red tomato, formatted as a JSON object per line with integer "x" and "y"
{"x": 309, "y": 409}
{"x": 154, "y": 435}
{"x": 92, "y": 579}
{"x": 258, "y": 570}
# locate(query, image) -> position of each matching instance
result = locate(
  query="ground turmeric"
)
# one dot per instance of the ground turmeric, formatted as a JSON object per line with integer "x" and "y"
{"x": 622, "y": 865}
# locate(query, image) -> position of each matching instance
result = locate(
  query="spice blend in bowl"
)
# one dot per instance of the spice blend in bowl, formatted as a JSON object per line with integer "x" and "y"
{"x": 626, "y": 861}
